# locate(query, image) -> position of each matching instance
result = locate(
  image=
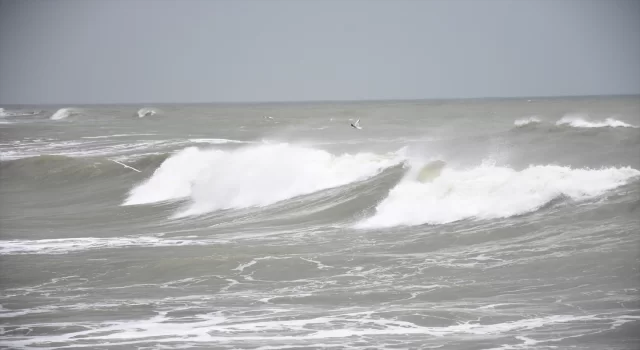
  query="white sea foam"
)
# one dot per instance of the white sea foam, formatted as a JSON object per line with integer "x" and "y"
{"x": 578, "y": 121}
{"x": 526, "y": 121}
{"x": 253, "y": 176}
{"x": 93, "y": 146}
{"x": 63, "y": 113}
{"x": 217, "y": 328}
{"x": 488, "y": 192}
{"x": 5, "y": 113}
{"x": 67, "y": 245}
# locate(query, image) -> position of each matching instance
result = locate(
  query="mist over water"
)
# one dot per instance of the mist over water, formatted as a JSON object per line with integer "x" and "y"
{"x": 481, "y": 224}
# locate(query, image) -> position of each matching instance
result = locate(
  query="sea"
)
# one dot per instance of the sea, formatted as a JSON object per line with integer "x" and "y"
{"x": 438, "y": 224}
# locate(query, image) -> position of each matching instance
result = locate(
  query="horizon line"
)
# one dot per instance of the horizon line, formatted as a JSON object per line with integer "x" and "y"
{"x": 346, "y": 101}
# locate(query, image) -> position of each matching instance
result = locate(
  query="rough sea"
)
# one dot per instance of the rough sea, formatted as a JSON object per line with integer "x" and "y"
{"x": 472, "y": 224}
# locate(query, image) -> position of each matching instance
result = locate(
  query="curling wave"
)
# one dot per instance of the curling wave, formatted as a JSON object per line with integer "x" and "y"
{"x": 489, "y": 192}
{"x": 64, "y": 113}
{"x": 253, "y": 176}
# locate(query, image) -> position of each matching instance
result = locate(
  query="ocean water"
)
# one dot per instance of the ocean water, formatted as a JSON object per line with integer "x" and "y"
{"x": 482, "y": 224}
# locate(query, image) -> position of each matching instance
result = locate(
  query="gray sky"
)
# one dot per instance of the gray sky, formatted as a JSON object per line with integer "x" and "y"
{"x": 137, "y": 51}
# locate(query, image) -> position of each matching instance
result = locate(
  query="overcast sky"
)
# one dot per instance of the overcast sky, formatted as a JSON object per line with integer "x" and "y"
{"x": 137, "y": 51}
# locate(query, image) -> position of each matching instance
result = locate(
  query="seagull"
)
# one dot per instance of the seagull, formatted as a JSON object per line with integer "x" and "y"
{"x": 356, "y": 125}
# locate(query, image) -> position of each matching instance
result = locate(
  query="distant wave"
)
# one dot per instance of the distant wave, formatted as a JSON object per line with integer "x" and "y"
{"x": 5, "y": 113}
{"x": 253, "y": 176}
{"x": 64, "y": 113}
{"x": 577, "y": 121}
{"x": 146, "y": 112}
{"x": 489, "y": 192}
{"x": 526, "y": 121}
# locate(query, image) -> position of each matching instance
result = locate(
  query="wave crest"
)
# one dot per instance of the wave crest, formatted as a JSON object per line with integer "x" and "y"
{"x": 253, "y": 176}
{"x": 64, "y": 113}
{"x": 146, "y": 112}
{"x": 489, "y": 192}
{"x": 526, "y": 121}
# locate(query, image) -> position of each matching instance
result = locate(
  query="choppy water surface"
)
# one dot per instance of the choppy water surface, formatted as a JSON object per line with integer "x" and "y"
{"x": 460, "y": 225}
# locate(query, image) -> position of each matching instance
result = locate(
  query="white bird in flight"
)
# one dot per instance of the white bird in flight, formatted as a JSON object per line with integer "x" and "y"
{"x": 356, "y": 125}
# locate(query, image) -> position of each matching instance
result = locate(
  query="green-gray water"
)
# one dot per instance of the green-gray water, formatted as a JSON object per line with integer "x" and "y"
{"x": 278, "y": 226}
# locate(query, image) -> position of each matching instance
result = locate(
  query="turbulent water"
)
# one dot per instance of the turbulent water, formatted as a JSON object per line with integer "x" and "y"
{"x": 486, "y": 224}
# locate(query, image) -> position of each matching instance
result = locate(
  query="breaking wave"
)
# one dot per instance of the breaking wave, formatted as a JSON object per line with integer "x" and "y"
{"x": 526, "y": 121}
{"x": 253, "y": 176}
{"x": 146, "y": 112}
{"x": 5, "y": 113}
{"x": 577, "y": 121}
{"x": 489, "y": 192}
{"x": 64, "y": 113}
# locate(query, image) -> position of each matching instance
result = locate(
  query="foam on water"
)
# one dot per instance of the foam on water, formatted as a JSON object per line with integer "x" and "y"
{"x": 68, "y": 245}
{"x": 253, "y": 176}
{"x": 578, "y": 121}
{"x": 6, "y": 113}
{"x": 489, "y": 192}
{"x": 218, "y": 328}
{"x": 91, "y": 146}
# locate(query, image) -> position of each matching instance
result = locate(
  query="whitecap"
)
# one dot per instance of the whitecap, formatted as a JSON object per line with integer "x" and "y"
{"x": 578, "y": 121}
{"x": 252, "y": 176}
{"x": 489, "y": 192}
